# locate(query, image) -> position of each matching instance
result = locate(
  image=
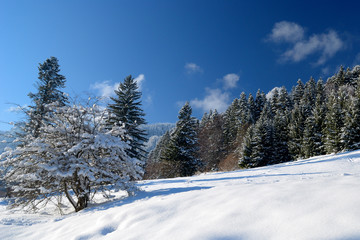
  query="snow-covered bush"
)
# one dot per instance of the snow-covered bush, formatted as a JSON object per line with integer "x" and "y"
{"x": 75, "y": 155}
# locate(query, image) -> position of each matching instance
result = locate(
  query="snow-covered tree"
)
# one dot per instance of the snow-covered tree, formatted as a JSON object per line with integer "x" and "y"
{"x": 350, "y": 135}
{"x": 126, "y": 108}
{"x": 231, "y": 123}
{"x": 296, "y": 131}
{"x": 297, "y": 92}
{"x": 259, "y": 103}
{"x": 280, "y": 138}
{"x": 251, "y": 109}
{"x": 48, "y": 91}
{"x": 333, "y": 124}
{"x": 74, "y": 155}
{"x": 258, "y": 147}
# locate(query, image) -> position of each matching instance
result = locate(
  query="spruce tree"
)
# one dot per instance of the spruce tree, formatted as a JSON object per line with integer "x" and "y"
{"x": 126, "y": 109}
{"x": 296, "y": 131}
{"x": 259, "y": 103}
{"x": 298, "y": 92}
{"x": 183, "y": 146}
{"x": 281, "y": 137}
{"x": 251, "y": 109}
{"x": 48, "y": 91}
{"x": 350, "y": 135}
{"x": 246, "y": 160}
{"x": 284, "y": 101}
{"x": 262, "y": 139}
{"x": 231, "y": 123}
{"x": 333, "y": 124}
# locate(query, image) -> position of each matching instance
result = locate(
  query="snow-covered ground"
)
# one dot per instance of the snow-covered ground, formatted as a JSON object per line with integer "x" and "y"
{"x": 317, "y": 198}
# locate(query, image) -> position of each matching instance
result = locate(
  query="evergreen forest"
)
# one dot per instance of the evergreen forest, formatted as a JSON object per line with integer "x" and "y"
{"x": 314, "y": 118}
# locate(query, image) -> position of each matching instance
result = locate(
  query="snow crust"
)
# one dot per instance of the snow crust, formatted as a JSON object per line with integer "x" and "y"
{"x": 316, "y": 198}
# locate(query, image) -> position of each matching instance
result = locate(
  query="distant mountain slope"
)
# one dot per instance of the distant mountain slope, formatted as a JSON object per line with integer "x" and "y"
{"x": 155, "y": 131}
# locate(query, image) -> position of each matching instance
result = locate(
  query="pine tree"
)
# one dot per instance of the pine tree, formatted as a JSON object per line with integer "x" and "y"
{"x": 318, "y": 115}
{"x": 49, "y": 85}
{"x": 182, "y": 148}
{"x": 243, "y": 116}
{"x": 259, "y": 103}
{"x": 251, "y": 109}
{"x": 281, "y": 137}
{"x": 284, "y": 101}
{"x": 333, "y": 124}
{"x": 309, "y": 138}
{"x": 126, "y": 109}
{"x": 274, "y": 101}
{"x": 246, "y": 160}
{"x": 296, "y": 131}
{"x": 298, "y": 92}
{"x": 258, "y": 143}
{"x": 231, "y": 123}
{"x": 350, "y": 135}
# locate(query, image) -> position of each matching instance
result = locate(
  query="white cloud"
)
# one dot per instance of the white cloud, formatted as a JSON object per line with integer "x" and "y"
{"x": 286, "y": 31}
{"x": 17, "y": 108}
{"x": 106, "y": 89}
{"x": 192, "y": 68}
{"x": 324, "y": 44}
{"x": 327, "y": 44}
{"x": 139, "y": 80}
{"x": 214, "y": 99}
{"x": 230, "y": 80}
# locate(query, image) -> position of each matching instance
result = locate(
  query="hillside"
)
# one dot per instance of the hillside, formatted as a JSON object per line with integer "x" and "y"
{"x": 316, "y": 198}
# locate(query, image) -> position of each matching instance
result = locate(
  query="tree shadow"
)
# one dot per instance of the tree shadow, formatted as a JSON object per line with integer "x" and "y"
{"x": 140, "y": 196}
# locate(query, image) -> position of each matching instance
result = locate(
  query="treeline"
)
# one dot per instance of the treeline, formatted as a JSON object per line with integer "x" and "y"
{"x": 315, "y": 118}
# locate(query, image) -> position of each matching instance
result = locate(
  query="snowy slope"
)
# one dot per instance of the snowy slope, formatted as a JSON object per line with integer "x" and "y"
{"x": 317, "y": 198}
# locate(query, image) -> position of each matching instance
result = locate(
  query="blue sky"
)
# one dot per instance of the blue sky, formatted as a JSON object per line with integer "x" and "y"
{"x": 205, "y": 52}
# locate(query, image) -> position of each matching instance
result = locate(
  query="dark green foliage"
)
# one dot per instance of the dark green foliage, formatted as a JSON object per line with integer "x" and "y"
{"x": 296, "y": 131}
{"x": 281, "y": 137}
{"x": 251, "y": 109}
{"x": 182, "y": 149}
{"x": 259, "y": 103}
{"x": 284, "y": 102}
{"x": 350, "y": 136}
{"x": 126, "y": 109}
{"x": 258, "y": 143}
{"x": 333, "y": 124}
{"x": 298, "y": 92}
{"x": 231, "y": 122}
{"x": 246, "y": 160}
